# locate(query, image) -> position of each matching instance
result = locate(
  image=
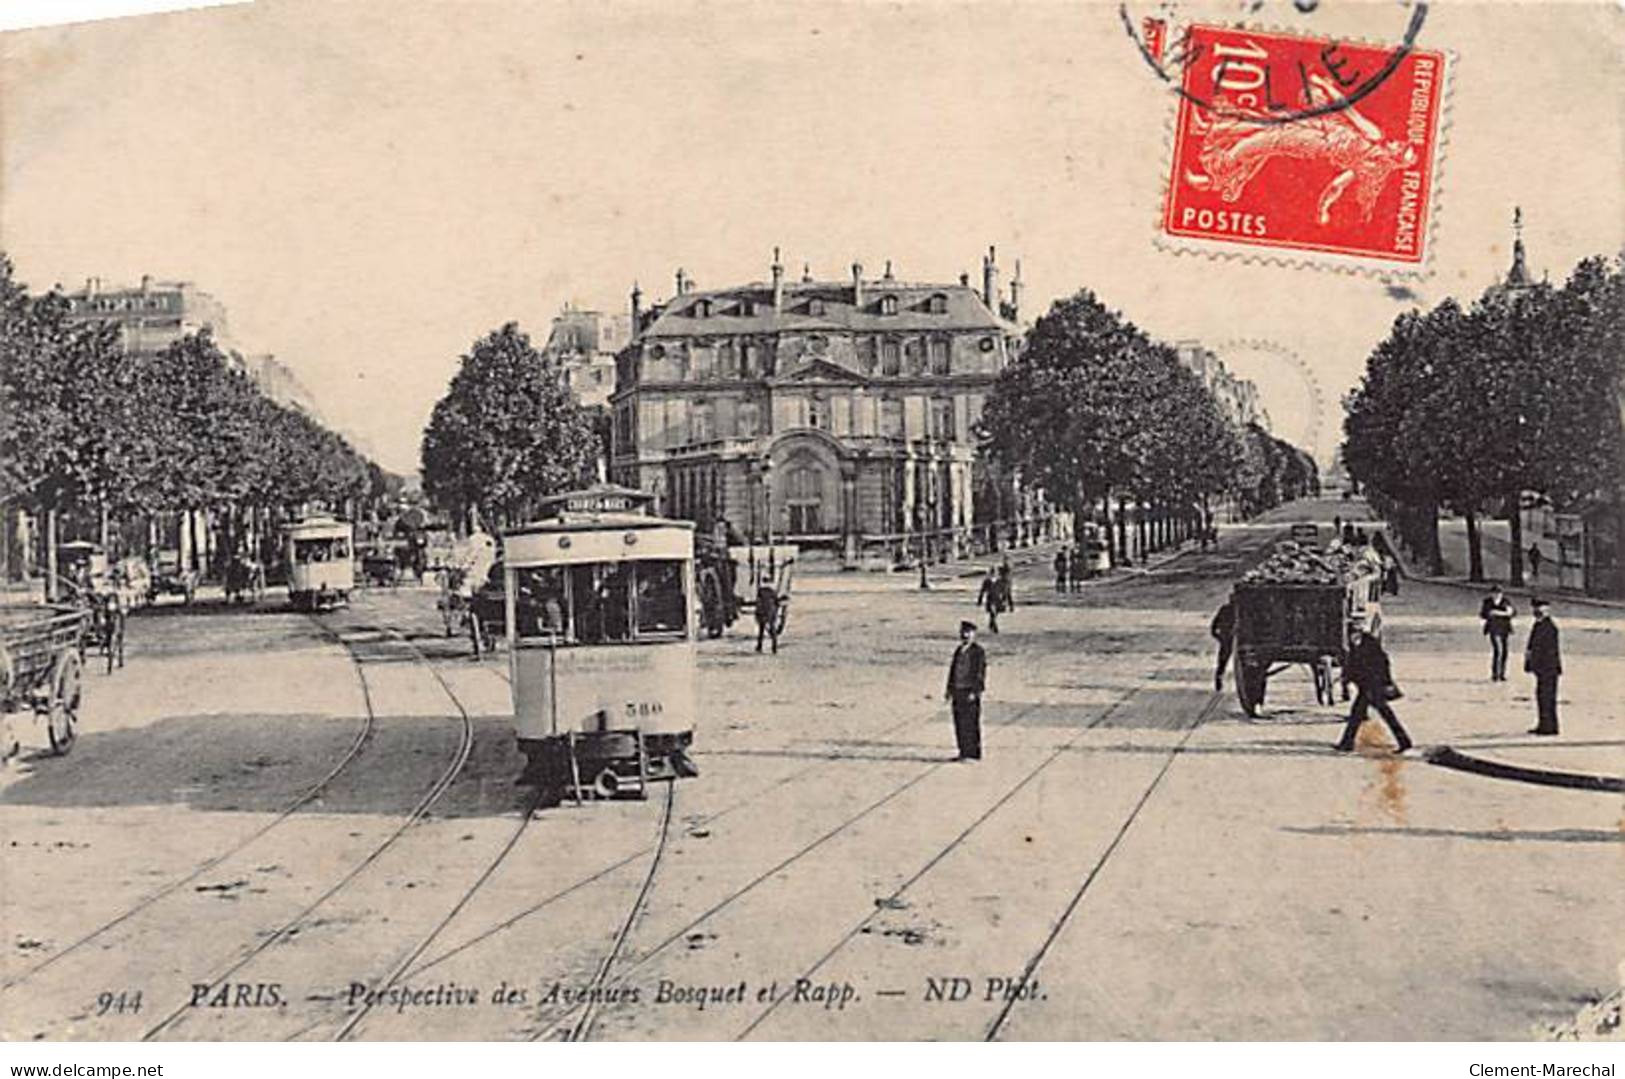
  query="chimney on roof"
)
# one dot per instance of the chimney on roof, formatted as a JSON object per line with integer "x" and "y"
{"x": 888, "y": 276}
{"x": 1015, "y": 294}
{"x": 637, "y": 308}
{"x": 778, "y": 283}
{"x": 806, "y": 273}
{"x": 990, "y": 279}
{"x": 91, "y": 284}
{"x": 964, "y": 279}
{"x": 684, "y": 282}
{"x": 857, "y": 284}
{"x": 146, "y": 282}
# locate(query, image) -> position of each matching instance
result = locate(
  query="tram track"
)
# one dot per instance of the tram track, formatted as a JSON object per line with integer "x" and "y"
{"x": 437, "y": 789}
{"x": 565, "y": 1020}
{"x": 364, "y": 734}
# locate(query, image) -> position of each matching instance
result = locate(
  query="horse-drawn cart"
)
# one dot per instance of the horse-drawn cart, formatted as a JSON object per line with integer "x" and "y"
{"x": 1296, "y": 608}
{"x": 40, "y": 674}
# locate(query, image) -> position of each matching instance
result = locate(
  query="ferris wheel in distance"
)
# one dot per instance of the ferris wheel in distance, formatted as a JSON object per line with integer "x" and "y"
{"x": 1288, "y": 391}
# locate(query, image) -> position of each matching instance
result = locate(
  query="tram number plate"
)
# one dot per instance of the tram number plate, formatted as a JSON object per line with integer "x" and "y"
{"x": 643, "y": 709}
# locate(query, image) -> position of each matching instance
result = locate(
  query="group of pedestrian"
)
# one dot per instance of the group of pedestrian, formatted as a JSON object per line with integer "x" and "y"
{"x": 1071, "y": 569}
{"x": 1542, "y": 653}
{"x": 997, "y": 594}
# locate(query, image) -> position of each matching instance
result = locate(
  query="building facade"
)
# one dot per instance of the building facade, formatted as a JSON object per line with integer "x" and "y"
{"x": 831, "y": 413}
{"x": 584, "y": 345}
{"x": 1237, "y": 397}
{"x": 151, "y": 316}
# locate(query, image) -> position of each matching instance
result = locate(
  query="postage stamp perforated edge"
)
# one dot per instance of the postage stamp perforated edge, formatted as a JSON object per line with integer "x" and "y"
{"x": 1299, "y": 257}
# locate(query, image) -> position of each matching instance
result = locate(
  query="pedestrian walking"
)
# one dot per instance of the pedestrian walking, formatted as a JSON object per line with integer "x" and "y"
{"x": 1535, "y": 558}
{"x": 1496, "y": 612}
{"x": 1063, "y": 567}
{"x": 1007, "y": 588}
{"x": 767, "y": 616}
{"x": 1080, "y": 568}
{"x": 987, "y": 598}
{"x": 1368, "y": 668}
{"x": 967, "y": 678}
{"x": 1543, "y": 658}
{"x": 1223, "y": 628}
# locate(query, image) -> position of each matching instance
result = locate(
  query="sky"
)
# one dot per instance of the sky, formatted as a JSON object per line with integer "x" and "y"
{"x": 371, "y": 187}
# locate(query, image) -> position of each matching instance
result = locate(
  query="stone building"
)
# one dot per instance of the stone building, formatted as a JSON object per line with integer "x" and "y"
{"x": 151, "y": 316}
{"x": 1237, "y": 397}
{"x": 584, "y": 345}
{"x": 832, "y": 413}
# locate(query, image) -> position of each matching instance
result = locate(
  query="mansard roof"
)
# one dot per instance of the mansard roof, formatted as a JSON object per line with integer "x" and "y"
{"x": 810, "y": 306}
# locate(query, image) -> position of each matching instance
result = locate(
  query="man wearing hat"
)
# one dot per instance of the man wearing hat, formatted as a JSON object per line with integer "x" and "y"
{"x": 1367, "y": 667}
{"x": 1496, "y": 612}
{"x": 967, "y": 676}
{"x": 1543, "y": 659}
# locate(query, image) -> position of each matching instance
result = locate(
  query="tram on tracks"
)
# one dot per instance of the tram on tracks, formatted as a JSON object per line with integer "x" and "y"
{"x": 321, "y": 568}
{"x": 602, "y": 631}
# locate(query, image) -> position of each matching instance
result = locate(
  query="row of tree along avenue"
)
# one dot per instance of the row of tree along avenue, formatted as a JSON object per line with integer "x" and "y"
{"x": 1112, "y": 425}
{"x": 506, "y": 434}
{"x": 101, "y": 444}
{"x": 1474, "y": 410}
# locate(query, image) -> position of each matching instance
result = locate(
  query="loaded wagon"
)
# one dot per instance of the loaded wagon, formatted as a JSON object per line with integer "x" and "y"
{"x": 41, "y": 666}
{"x": 1296, "y": 608}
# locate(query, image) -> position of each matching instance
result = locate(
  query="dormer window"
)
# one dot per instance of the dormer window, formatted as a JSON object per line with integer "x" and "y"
{"x": 937, "y": 304}
{"x": 747, "y": 308}
{"x": 702, "y": 309}
{"x": 815, "y": 307}
{"x": 888, "y": 305}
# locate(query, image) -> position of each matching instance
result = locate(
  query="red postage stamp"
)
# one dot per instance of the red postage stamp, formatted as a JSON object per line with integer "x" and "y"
{"x": 1305, "y": 144}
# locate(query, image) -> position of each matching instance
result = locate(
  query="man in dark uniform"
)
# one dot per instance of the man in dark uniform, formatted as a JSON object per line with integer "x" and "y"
{"x": 1496, "y": 612}
{"x": 989, "y": 599}
{"x": 1543, "y": 659}
{"x": 1367, "y": 667}
{"x": 1223, "y": 628}
{"x": 767, "y": 616}
{"x": 967, "y": 677}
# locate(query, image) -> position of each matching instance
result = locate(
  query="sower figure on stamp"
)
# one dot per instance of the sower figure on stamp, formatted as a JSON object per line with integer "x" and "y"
{"x": 1497, "y": 612}
{"x": 1367, "y": 667}
{"x": 1542, "y": 657}
{"x": 967, "y": 678}
{"x": 1223, "y": 628}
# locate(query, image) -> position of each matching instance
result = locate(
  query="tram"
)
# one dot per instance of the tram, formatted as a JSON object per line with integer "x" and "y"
{"x": 321, "y": 571}
{"x": 601, "y": 629}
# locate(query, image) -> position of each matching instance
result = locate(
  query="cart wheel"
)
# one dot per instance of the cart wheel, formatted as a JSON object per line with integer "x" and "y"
{"x": 62, "y": 720}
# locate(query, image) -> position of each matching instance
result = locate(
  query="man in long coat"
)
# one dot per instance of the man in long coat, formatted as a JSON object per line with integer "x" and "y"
{"x": 1367, "y": 667}
{"x": 967, "y": 678}
{"x": 1543, "y": 658}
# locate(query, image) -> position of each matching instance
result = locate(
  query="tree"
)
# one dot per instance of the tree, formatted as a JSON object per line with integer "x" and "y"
{"x": 506, "y": 433}
{"x": 1092, "y": 409}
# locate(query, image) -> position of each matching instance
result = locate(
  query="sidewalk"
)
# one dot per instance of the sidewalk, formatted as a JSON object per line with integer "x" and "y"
{"x": 1497, "y": 555}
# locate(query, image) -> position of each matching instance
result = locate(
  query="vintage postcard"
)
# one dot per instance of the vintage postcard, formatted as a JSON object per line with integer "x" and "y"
{"x": 826, "y": 522}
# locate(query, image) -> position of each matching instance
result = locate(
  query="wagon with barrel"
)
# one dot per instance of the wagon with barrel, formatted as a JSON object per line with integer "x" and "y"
{"x": 1296, "y": 607}
{"x": 41, "y": 668}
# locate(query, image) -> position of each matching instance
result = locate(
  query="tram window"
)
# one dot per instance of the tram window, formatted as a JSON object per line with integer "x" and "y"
{"x": 539, "y": 604}
{"x": 602, "y": 597}
{"x": 661, "y": 606}
{"x": 602, "y": 603}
